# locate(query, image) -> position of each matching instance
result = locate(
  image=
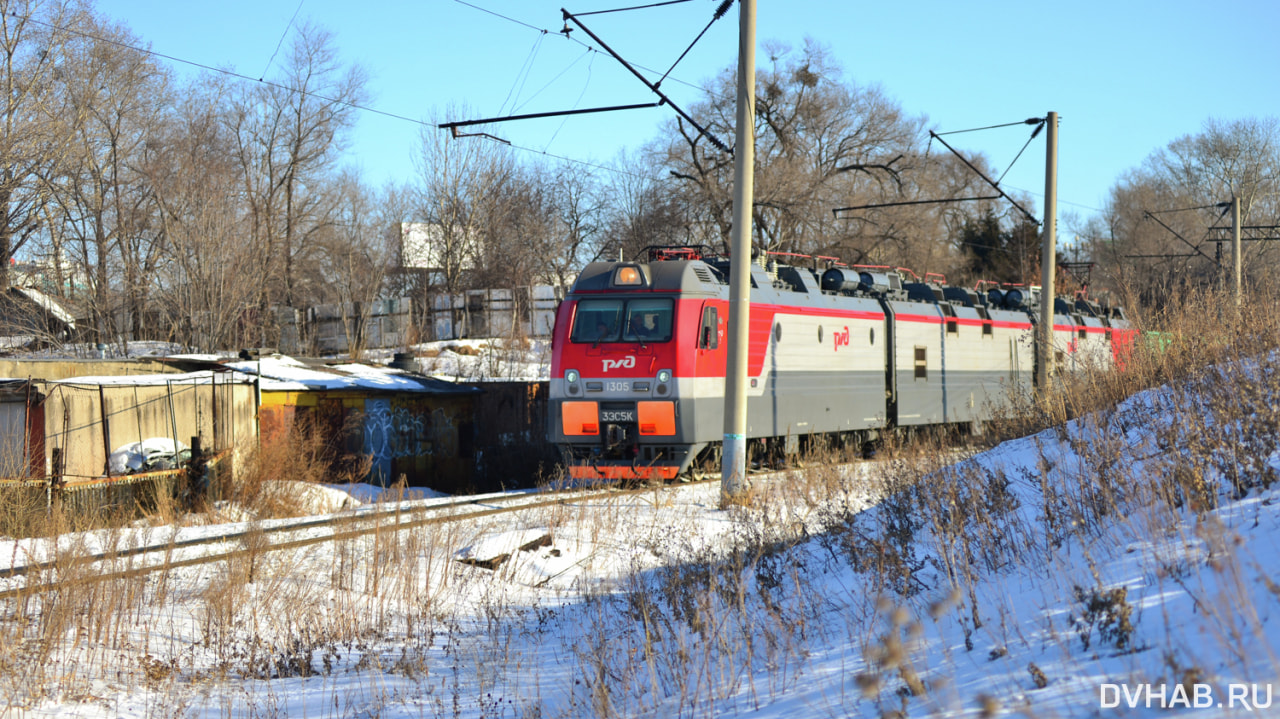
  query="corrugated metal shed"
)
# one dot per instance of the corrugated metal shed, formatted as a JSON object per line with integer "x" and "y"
{"x": 410, "y": 425}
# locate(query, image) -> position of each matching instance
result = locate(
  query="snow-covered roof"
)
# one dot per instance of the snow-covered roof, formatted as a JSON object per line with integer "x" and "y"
{"x": 159, "y": 380}
{"x": 286, "y": 374}
{"x": 48, "y": 304}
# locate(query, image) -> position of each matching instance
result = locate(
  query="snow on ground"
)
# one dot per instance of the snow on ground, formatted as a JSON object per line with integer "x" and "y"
{"x": 482, "y": 360}
{"x": 1064, "y": 574}
{"x": 114, "y": 350}
{"x": 468, "y": 360}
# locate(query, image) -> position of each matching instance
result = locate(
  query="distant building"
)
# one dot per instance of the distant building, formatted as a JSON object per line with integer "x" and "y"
{"x": 472, "y": 312}
{"x": 423, "y": 247}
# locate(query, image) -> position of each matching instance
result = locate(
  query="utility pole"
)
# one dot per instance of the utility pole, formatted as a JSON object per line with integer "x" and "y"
{"x": 1048, "y": 256}
{"x": 1235, "y": 251}
{"x": 733, "y": 458}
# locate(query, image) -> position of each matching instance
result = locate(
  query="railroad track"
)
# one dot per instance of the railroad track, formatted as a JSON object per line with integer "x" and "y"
{"x": 404, "y": 515}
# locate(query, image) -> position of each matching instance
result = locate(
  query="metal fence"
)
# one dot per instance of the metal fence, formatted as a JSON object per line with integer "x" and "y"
{"x": 24, "y": 502}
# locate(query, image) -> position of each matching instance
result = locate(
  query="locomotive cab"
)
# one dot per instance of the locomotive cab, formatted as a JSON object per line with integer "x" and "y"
{"x": 625, "y": 335}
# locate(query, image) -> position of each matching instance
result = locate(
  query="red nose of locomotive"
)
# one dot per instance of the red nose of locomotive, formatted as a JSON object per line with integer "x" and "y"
{"x": 620, "y": 350}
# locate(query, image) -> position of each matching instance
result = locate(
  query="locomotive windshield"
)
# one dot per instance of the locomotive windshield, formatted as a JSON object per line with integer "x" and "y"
{"x": 616, "y": 320}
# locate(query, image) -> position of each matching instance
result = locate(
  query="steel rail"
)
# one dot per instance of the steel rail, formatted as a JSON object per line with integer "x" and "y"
{"x": 333, "y": 520}
{"x": 169, "y": 563}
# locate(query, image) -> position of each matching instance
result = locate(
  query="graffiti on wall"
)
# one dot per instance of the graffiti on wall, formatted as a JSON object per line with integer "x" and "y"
{"x": 392, "y": 433}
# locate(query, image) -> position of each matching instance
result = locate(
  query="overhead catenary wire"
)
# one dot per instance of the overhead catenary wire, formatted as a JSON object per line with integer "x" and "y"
{"x": 283, "y": 35}
{"x": 308, "y": 93}
{"x": 522, "y": 76}
{"x": 979, "y": 173}
{"x": 652, "y": 87}
{"x": 634, "y": 7}
{"x": 836, "y": 211}
{"x": 630, "y": 66}
{"x": 223, "y": 71}
{"x": 1187, "y": 242}
{"x": 1025, "y": 145}
{"x": 1028, "y": 121}
{"x": 1060, "y": 200}
{"x": 1217, "y": 205}
{"x": 719, "y": 13}
{"x": 578, "y": 101}
{"x": 615, "y": 170}
{"x": 569, "y": 38}
{"x": 1039, "y": 122}
{"x": 549, "y": 83}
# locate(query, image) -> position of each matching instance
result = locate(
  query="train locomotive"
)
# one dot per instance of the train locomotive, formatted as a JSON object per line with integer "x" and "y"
{"x": 639, "y": 352}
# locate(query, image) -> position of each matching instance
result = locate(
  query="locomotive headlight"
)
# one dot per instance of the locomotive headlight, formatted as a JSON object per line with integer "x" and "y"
{"x": 571, "y": 376}
{"x": 664, "y": 376}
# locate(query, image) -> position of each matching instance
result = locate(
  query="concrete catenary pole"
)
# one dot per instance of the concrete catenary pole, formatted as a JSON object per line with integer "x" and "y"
{"x": 1235, "y": 252}
{"x": 1048, "y": 256}
{"x": 733, "y": 461}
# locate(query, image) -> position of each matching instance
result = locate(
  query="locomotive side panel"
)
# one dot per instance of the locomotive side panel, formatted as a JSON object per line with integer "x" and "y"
{"x": 1122, "y": 335}
{"x": 1014, "y": 341}
{"x": 1065, "y": 343}
{"x": 918, "y": 363}
{"x": 1093, "y": 350}
{"x": 986, "y": 357}
{"x": 827, "y": 371}
{"x": 973, "y": 370}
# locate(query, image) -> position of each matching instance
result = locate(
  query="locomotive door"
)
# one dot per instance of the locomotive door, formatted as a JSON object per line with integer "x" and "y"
{"x": 709, "y": 368}
{"x": 710, "y": 336}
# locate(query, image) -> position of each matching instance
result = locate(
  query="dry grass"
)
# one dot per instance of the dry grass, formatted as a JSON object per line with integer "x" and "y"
{"x": 307, "y": 454}
{"x": 697, "y": 623}
{"x": 943, "y": 527}
{"x": 700, "y": 628}
{"x": 1179, "y": 341}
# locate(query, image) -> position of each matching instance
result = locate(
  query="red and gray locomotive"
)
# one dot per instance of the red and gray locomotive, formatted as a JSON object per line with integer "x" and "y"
{"x": 639, "y": 351}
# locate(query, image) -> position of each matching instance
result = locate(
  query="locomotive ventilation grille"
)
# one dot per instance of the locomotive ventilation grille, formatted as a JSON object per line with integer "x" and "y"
{"x": 705, "y": 275}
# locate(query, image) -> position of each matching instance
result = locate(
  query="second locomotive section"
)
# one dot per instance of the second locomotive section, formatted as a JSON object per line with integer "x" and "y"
{"x": 637, "y": 377}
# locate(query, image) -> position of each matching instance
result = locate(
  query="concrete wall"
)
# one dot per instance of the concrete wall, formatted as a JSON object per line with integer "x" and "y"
{"x": 495, "y": 313}
{"x": 386, "y": 324}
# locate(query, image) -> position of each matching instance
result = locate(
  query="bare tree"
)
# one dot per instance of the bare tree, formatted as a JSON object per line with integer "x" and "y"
{"x": 538, "y": 228}
{"x": 574, "y": 234}
{"x": 640, "y": 208}
{"x": 1163, "y": 221}
{"x": 459, "y": 184}
{"x": 821, "y": 143}
{"x": 289, "y": 135}
{"x": 206, "y": 281}
{"x": 118, "y": 97}
{"x": 34, "y": 134}
{"x": 356, "y": 253}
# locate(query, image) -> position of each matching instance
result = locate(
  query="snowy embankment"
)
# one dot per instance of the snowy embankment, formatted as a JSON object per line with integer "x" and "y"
{"x": 480, "y": 360}
{"x": 1124, "y": 559}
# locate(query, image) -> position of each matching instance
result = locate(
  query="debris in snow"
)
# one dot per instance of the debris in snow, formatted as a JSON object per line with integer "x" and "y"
{"x": 489, "y": 554}
{"x": 150, "y": 454}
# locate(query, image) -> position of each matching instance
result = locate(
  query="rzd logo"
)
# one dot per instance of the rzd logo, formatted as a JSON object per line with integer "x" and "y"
{"x": 625, "y": 363}
{"x": 841, "y": 338}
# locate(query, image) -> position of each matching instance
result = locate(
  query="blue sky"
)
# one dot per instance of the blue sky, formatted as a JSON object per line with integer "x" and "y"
{"x": 1126, "y": 78}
